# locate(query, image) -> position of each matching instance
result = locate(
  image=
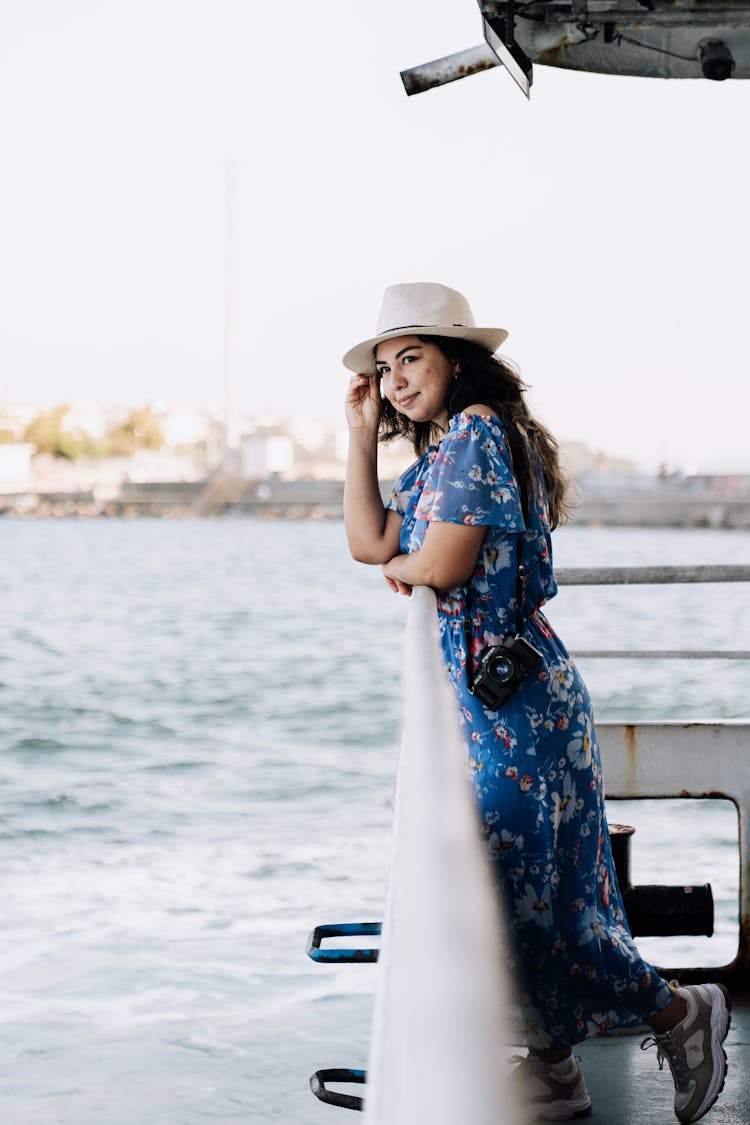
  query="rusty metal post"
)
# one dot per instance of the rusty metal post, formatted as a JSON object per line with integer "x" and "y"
{"x": 449, "y": 69}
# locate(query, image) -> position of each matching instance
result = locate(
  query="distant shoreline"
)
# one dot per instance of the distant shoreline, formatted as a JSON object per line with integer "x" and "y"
{"x": 322, "y": 500}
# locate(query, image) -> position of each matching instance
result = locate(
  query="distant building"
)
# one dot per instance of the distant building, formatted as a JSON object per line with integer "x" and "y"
{"x": 15, "y": 417}
{"x": 185, "y": 426}
{"x": 163, "y": 465}
{"x": 263, "y": 456}
{"x": 580, "y": 460}
{"x": 15, "y": 466}
{"x": 726, "y": 485}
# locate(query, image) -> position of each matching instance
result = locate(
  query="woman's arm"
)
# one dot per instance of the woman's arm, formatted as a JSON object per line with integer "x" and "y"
{"x": 372, "y": 531}
{"x": 448, "y": 555}
{"x": 447, "y": 558}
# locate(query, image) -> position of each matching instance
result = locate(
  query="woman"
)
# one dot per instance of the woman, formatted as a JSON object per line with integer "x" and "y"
{"x": 472, "y": 519}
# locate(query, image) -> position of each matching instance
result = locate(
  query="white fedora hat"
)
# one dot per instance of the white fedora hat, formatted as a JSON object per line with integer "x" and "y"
{"x": 422, "y": 308}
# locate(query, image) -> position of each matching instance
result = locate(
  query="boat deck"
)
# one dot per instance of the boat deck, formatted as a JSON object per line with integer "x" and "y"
{"x": 627, "y": 1088}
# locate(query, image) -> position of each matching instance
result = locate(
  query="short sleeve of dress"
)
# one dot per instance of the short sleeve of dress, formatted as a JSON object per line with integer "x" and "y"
{"x": 471, "y": 480}
{"x": 398, "y": 499}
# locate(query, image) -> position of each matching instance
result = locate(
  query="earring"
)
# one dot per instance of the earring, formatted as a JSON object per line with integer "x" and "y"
{"x": 456, "y": 373}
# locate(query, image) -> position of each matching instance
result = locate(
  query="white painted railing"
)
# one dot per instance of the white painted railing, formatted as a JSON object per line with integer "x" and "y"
{"x": 439, "y": 1006}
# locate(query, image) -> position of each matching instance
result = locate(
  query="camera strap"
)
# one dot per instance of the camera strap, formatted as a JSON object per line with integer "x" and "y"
{"x": 468, "y": 622}
{"x": 519, "y": 460}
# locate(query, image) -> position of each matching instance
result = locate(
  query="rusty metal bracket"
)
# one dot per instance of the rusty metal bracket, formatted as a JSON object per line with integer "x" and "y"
{"x": 500, "y": 35}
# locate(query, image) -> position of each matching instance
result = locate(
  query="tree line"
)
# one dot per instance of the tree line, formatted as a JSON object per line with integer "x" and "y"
{"x": 51, "y": 432}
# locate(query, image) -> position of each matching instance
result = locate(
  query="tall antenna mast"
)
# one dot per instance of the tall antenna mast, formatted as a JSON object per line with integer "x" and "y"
{"x": 229, "y": 335}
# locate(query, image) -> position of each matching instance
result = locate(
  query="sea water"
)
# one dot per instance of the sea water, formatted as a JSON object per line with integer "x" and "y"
{"x": 199, "y": 726}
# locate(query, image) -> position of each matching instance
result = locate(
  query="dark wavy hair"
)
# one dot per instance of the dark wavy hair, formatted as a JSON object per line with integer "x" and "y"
{"x": 494, "y": 380}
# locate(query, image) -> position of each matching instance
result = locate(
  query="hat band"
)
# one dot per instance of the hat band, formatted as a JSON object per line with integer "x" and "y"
{"x": 401, "y": 327}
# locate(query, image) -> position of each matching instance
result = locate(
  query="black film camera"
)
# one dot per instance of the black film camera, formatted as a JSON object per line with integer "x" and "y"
{"x": 502, "y": 667}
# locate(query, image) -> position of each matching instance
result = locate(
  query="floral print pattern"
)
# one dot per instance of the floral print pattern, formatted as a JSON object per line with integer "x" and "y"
{"x": 535, "y": 762}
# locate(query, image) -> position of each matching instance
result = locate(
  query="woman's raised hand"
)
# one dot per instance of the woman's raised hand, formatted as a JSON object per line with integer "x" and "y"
{"x": 363, "y": 405}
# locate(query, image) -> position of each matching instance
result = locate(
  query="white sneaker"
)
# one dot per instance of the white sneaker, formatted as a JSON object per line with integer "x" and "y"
{"x": 693, "y": 1049}
{"x": 548, "y": 1094}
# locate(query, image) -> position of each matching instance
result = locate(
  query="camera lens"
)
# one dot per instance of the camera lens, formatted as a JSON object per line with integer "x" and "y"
{"x": 502, "y": 669}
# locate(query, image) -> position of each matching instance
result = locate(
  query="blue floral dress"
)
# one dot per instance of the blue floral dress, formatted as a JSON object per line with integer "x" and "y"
{"x": 535, "y": 762}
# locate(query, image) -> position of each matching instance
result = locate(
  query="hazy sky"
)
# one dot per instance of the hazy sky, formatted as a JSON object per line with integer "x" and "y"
{"x": 604, "y": 224}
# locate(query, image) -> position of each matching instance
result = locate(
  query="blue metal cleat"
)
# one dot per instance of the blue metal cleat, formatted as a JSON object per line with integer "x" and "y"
{"x": 343, "y": 929}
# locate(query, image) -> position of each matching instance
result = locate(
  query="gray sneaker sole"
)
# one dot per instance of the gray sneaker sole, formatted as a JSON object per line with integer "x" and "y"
{"x": 559, "y": 1111}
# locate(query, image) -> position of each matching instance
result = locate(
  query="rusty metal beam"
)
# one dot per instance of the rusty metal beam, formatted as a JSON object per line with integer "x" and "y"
{"x": 448, "y": 69}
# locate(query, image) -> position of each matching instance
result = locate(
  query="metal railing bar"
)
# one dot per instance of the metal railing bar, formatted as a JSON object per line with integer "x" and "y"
{"x": 649, "y": 575}
{"x": 663, "y": 654}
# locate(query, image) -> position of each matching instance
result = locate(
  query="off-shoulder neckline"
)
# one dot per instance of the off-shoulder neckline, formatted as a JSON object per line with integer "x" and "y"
{"x": 466, "y": 414}
{"x": 473, "y": 414}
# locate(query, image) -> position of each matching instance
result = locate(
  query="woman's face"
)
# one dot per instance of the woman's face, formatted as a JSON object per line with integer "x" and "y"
{"x": 415, "y": 378}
